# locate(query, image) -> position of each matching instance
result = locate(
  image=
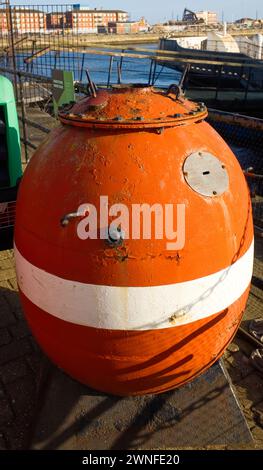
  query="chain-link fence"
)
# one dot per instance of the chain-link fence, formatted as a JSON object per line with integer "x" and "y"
{"x": 245, "y": 136}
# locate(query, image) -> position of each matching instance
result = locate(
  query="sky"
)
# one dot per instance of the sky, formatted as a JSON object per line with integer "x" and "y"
{"x": 162, "y": 10}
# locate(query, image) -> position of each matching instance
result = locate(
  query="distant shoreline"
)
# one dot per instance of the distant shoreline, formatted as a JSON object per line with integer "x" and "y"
{"x": 125, "y": 39}
{"x": 80, "y": 40}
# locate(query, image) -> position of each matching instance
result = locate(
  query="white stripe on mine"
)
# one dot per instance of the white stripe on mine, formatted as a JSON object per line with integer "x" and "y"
{"x": 134, "y": 308}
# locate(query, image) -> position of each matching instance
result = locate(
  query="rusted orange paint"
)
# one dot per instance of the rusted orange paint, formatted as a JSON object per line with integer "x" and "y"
{"x": 131, "y": 161}
{"x": 135, "y": 362}
{"x": 69, "y": 180}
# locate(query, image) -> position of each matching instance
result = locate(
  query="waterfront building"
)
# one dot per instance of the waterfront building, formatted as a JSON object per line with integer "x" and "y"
{"x": 209, "y": 17}
{"x": 25, "y": 20}
{"x": 77, "y": 20}
{"x": 123, "y": 27}
{"x": 57, "y": 21}
{"x": 87, "y": 20}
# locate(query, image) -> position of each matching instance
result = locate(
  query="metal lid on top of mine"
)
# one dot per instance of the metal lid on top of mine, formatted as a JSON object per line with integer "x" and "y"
{"x": 133, "y": 106}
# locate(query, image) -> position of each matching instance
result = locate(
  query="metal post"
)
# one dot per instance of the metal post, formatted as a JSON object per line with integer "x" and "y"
{"x": 91, "y": 85}
{"x": 11, "y": 36}
{"x": 33, "y": 52}
{"x": 154, "y": 71}
{"x": 109, "y": 72}
{"x": 23, "y": 110}
{"x": 82, "y": 67}
{"x": 121, "y": 61}
{"x": 150, "y": 73}
{"x": 119, "y": 73}
{"x": 55, "y": 60}
{"x": 184, "y": 76}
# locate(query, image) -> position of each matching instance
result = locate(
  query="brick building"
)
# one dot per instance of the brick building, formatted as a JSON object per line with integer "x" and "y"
{"x": 3, "y": 22}
{"x": 123, "y": 27}
{"x": 89, "y": 20}
{"x": 78, "y": 20}
{"x": 26, "y": 20}
{"x": 58, "y": 21}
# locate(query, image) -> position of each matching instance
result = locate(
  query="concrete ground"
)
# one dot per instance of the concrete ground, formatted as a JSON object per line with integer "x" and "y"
{"x": 26, "y": 374}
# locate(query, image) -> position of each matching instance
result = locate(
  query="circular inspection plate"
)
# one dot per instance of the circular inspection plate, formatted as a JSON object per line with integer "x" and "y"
{"x": 205, "y": 174}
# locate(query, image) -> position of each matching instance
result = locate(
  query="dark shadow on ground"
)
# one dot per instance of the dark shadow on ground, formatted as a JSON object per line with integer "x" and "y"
{"x": 49, "y": 410}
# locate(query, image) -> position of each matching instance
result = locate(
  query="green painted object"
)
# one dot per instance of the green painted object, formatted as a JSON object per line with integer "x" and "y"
{"x": 63, "y": 88}
{"x": 10, "y": 135}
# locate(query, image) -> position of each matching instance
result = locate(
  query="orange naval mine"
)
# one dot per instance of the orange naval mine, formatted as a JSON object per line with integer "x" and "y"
{"x": 134, "y": 241}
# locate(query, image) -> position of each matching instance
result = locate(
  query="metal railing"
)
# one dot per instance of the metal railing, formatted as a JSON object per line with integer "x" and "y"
{"x": 105, "y": 67}
{"x": 30, "y": 89}
{"x": 29, "y": 53}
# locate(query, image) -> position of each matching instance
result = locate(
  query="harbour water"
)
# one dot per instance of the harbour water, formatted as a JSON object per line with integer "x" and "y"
{"x": 133, "y": 69}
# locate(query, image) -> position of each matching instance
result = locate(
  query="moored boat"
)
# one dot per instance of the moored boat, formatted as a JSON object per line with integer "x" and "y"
{"x": 225, "y": 72}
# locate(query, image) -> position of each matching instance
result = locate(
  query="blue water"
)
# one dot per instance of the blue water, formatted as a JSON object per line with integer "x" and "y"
{"x": 134, "y": 70}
